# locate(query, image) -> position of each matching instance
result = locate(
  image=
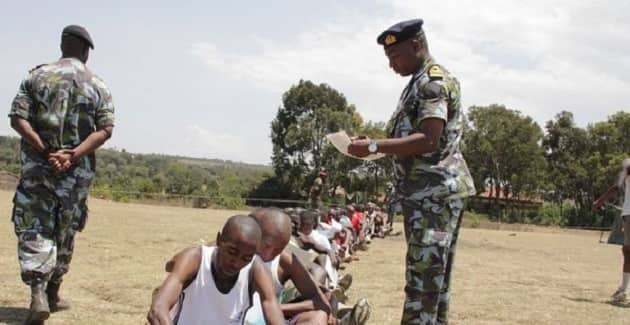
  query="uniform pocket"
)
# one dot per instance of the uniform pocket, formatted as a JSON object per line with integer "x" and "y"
{"x": 439, "y": 238}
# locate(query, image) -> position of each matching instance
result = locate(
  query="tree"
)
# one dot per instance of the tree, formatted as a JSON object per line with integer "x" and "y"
{"x": 502, "y": 150}
{"x": 610, "y": 144}
{"x": 359, "y": 175}
{"x": 307, "y": 114}
{"x": 566, "y": 149}
{"x": 585, "y": 162}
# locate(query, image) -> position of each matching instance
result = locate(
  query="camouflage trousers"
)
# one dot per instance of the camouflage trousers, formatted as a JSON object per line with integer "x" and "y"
{"x": 47, "y": 213}
{"x": 316, "y": 202}
{"x": 431, "y": 231}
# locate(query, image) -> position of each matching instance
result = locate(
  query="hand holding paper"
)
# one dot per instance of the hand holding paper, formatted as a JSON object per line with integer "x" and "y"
{"x": 341, "y": 141}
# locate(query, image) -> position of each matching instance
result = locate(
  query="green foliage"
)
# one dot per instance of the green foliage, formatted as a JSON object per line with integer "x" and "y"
{"x": 583, "y": 163}
{"x": 10, "y": 154}
{"x": 307, "y": 114}
{"x": 552, "y": 215}
{"x": 502, "y": 150}
{"x": 230, "y": 202}
{"x": 123, "y": 176}
{"x": 567, "y": 148}
{"x": 472, "y": 219}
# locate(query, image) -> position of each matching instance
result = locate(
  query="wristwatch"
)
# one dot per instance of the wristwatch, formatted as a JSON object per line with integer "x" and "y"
{"x": 372, "y": 147}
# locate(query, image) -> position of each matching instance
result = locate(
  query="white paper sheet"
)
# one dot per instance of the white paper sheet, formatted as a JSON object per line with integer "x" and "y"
{"x": 341, "y": 140}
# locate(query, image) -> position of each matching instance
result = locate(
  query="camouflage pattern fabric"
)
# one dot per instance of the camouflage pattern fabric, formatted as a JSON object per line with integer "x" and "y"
{"x": 64, "y": 103}
{"x": 432, "y": 93}
{"x": 391, "y": 202}
{"x": 316, "y": 192}
{"x": 431, "y": 188}
{"x": 431, "y": 231}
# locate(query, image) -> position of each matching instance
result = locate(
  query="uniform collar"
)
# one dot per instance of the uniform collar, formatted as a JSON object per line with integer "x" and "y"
{"x": 72, "y": 60}
{"x": 423, "y": 69}
{"x": 429, "y": 61}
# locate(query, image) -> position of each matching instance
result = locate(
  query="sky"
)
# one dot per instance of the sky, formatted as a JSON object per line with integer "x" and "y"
{"x": 205, "y": 78}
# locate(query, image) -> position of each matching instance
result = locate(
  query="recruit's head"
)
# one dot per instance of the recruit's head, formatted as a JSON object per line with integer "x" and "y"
{"x": 307, "y": 221}
{"x": 276, "y": 231}
{"x": 237, "y": 243}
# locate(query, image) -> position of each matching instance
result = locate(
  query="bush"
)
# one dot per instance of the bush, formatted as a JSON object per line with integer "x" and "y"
{"x": 201, "y": 202}
{"x": 552, "y": 215}
{"x": 230, "y": 202}
{"x": 472, "y": 219}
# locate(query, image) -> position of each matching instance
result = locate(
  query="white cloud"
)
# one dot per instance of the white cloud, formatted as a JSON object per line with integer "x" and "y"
{"x": 538, "y": 56}
{"x": 342, "y": 54}
{"x": 200, "y": 142}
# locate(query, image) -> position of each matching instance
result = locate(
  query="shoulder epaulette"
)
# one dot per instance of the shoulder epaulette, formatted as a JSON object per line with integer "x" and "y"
{"x": 435, "y": 72}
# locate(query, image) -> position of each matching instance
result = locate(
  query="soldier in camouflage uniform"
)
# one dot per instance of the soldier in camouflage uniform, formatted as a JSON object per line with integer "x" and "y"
{"x": 432, "y": 177}
{"x": 63, "y": 113}
{"x": 315, "y": 192}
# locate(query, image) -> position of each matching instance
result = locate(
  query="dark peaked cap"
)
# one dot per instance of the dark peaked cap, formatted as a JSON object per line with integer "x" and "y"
{"x": 400, "y": 32}
{"x": 80, "y": 32}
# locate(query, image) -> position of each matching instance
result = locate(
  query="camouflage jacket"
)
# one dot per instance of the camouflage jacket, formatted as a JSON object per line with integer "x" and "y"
{"x": 316, "y": 188}
{"x": 431, "y": 93}
{"x": 64, "y": 103}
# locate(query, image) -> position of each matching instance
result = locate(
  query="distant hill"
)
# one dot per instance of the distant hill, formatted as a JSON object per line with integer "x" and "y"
{"x": 122, "y": 175}
{"x": 222, "y": 163}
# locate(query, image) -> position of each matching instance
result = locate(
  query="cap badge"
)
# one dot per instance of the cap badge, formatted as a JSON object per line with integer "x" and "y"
{"x": 390, "y": 39}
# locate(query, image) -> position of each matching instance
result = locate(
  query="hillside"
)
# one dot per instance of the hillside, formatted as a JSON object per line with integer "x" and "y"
{"x": 125, "y": 176}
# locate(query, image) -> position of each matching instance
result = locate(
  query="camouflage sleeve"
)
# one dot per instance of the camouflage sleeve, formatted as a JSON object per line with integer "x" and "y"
{"x": 105, "y": 109}
{"x": 433, "y": 103}
{"x": 23, "y": 101}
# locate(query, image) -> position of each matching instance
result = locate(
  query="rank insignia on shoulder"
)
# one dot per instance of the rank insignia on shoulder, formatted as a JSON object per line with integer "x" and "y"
{"x": 435, "y": 72}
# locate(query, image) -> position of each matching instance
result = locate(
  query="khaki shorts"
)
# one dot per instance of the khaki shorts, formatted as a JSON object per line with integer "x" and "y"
{"x": 626, "y": 230}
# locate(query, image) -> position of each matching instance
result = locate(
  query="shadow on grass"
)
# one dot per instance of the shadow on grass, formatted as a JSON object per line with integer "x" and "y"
{"x": 621, "y": 304}
{"x": 13, "y": 315}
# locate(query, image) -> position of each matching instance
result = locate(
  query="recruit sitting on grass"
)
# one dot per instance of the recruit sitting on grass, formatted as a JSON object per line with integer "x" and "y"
{"x": 214, "y": 284}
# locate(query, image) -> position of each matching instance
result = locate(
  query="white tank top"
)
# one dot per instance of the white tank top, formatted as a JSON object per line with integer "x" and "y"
{"x": 255, "y": 314}
{"x": 625, "y": 211}
{"x": 202, "y": 303}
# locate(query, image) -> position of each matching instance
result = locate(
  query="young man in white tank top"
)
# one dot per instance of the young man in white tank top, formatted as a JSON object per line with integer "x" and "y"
{"x": 214, "y": 285}
{"x": 622, "y": 185}
{"x": 276, "y": 232}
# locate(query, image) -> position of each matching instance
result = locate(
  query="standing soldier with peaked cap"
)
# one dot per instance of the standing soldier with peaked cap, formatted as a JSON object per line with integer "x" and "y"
{"x": 63, "y": 113}
{"x": 432, "y": 177}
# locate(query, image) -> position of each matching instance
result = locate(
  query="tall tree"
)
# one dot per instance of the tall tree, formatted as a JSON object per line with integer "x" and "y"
{"x": 610, "y": 144}
{"x": 566, "y": 149}
{"x": 359, "y": 175}
{"x": 502, "y": 150}
{"x": 307, "y": 114}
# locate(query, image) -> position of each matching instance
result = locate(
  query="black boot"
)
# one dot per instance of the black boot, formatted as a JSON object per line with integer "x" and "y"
{"x": 55, "y": 303}
{"x": 39, "y": 310}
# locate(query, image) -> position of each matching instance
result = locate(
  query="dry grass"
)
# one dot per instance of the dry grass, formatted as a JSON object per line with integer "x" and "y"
{"x": 501, "y": 277}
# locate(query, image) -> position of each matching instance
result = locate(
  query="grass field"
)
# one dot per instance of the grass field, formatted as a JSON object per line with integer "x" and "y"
{"x": 501, "y": 277}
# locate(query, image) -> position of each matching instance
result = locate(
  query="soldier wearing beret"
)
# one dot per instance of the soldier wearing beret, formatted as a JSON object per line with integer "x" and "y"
{"x": 433, "y": 180}
{"x": 63, "y": 113}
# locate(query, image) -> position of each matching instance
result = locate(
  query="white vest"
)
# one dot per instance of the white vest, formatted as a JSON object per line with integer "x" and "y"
{"x": 255, "y": 315}
{"x": 202, "y": 303}
{"x": 625, "y": 211}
